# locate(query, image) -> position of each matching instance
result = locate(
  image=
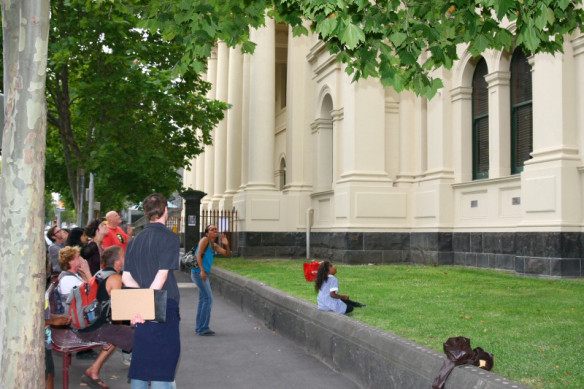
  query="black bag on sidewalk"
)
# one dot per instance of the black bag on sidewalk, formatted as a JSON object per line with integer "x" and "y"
{"x": 458, "y": 352}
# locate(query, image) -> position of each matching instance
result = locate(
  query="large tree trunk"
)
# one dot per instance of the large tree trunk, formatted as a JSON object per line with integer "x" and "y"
{"x": 22, "y": 248}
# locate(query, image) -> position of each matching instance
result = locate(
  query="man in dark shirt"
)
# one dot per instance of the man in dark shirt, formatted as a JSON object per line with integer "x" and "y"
{"x": 58, "y": 237}
{"x": 151, "y": 258}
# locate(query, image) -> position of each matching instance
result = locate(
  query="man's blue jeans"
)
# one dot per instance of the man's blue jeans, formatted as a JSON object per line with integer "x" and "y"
{"x": 139, "y": 384}
{"x": 205, "y": 303}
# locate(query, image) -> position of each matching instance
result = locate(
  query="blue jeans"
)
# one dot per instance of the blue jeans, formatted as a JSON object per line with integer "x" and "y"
{"x": 205, "y": 303}
{"x": 139, "y": 384}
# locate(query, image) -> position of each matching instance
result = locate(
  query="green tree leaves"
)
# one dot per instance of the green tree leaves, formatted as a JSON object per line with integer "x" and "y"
{"x": 123, "y": 102}
{"x": 327, "y": 27}
{"x": 352, "y": 35}
{"x": 502, "y": 7}
{"x": 132, "y": 67}
{"x": 398, "y": 38}
{"x": 393, "y": 39}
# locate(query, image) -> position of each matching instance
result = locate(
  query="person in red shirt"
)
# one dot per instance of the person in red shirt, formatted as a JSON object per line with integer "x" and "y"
{"x": 116, "y": 236}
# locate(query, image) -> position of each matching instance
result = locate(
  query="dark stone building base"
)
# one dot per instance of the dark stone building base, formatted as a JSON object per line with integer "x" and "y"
{"x": 549, "y": 254}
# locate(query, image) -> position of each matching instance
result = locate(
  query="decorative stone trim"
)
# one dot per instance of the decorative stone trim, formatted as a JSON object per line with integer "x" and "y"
{"x": 460, "y": 93}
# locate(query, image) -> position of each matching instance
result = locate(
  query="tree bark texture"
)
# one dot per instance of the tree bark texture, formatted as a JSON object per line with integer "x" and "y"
{"x": 25, "y": 26}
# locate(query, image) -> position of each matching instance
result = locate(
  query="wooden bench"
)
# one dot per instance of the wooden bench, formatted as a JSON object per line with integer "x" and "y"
{"x": 65, "y": 340}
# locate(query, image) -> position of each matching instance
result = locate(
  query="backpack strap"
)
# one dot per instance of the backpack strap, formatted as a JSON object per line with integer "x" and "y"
{"x": 64, "y": 273}
{"x": 67, "y": 301}
{"x": 197, "y": 246}
{"x": 102, "y": 275}
{"x": 209, "y": 246}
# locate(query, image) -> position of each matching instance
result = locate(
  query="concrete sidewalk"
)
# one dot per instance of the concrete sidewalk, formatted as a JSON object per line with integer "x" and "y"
{"x": 243, "y": 354}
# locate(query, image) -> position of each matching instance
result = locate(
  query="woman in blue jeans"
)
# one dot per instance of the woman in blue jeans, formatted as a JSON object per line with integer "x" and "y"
{"x": 205, "y": 253}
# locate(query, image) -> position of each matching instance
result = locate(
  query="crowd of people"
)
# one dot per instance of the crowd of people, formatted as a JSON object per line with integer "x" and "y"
{"x": 117, "y": 259}
{"x": 111, "y": 255}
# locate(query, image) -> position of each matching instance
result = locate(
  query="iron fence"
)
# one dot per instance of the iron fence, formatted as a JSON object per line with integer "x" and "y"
{"x": 226, "y": 222}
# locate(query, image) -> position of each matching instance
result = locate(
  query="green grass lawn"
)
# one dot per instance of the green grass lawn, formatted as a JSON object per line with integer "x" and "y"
{"x": 533, "y": 326}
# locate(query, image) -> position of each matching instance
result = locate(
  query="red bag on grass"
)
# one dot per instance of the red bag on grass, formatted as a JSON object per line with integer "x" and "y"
{"x": 310, "y": 270}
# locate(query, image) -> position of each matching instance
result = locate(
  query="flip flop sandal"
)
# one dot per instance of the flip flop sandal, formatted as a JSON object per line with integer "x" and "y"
{"x": 93, "y": 384}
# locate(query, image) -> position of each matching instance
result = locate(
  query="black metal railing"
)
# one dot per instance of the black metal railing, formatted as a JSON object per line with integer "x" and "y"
{"x": 226, "y": 222}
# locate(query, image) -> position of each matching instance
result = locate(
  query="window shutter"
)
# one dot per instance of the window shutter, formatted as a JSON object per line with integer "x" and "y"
{"x": 480, "y": 108}
{"x": 523, "y": 134}
{"x": 521, "y": 111}
{"x": 482, "y": 136}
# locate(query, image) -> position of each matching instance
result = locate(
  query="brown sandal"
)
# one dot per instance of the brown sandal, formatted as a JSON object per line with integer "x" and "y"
{"x": 93, "y": 383}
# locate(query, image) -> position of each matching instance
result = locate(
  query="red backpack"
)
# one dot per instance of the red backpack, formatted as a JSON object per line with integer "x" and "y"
{"x": 83, "y": 306}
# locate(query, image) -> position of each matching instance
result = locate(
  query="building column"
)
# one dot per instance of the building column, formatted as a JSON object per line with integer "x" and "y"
{"x": 322, "y": 154}
{"x": 262, "y": 108}
{"x": 209, "y": 163}
{"x": 499, "y": 124}
{"x": 439, "y": 132}
{"x": 363, "y": 195}
{"x": 363, "y": 141}
{"x": 260, "y": 206}
{"x": 408, "y": 122}
{"x": 578, "y": 47}
{"x": 200, "y": 172}
{"x": 337, "y": 120}
{"x": 433, "y": 196}
{"x": 189, "y": 176}
{"x": 299, "y": 101}
{"x": 220, "y": 138}
{"x": 392, "y": 102}
{"x": 234, "y": 124}
{"x": 199, "y": 163}
{"x": 550, "y": 181}
{"x": 461, "y": 98}
{"x": 245, "y": 92}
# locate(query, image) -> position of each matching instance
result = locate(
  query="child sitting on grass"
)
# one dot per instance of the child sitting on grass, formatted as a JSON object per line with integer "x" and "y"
{"x": 327, "y": 286}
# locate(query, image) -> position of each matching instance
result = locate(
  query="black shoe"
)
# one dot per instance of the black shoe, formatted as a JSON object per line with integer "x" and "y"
{"x": 359, "y": 305}
{"x": 207, "y": 333}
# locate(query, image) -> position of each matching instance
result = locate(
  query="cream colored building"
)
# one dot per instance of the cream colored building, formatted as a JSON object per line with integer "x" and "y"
{"x": 488, "y": 173}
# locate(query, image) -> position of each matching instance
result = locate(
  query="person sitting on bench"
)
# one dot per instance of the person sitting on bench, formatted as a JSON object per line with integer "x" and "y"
{"x": 103, "y": 330}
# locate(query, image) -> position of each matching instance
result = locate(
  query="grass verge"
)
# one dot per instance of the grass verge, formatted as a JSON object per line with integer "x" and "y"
{"x": 533, "y": 326}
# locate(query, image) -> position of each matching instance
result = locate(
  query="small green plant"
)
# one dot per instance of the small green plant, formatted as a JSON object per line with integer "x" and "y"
{"x": 533, "y": 326}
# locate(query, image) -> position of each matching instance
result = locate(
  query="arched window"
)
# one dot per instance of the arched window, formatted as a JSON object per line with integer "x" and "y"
{"x": 282, "y": 173}
{"x": 480, "y": 122}
{"x": 521, "y": 111}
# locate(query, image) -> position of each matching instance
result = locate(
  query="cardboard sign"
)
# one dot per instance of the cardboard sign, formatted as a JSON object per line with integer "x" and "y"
{"x": 126, "y": 303}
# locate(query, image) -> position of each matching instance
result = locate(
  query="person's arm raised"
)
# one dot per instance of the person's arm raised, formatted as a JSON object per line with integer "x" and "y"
{"x": 84, "y": 271}
{"x": 225, "y": 250}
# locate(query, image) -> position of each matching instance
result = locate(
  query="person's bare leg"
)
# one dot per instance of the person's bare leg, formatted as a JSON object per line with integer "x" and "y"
{"x": 49, "y": 382}
{"x": 93, "y": 370}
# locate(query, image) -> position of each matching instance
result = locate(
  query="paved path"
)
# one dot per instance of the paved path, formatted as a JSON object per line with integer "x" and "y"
{"x": 243, "y": 355}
